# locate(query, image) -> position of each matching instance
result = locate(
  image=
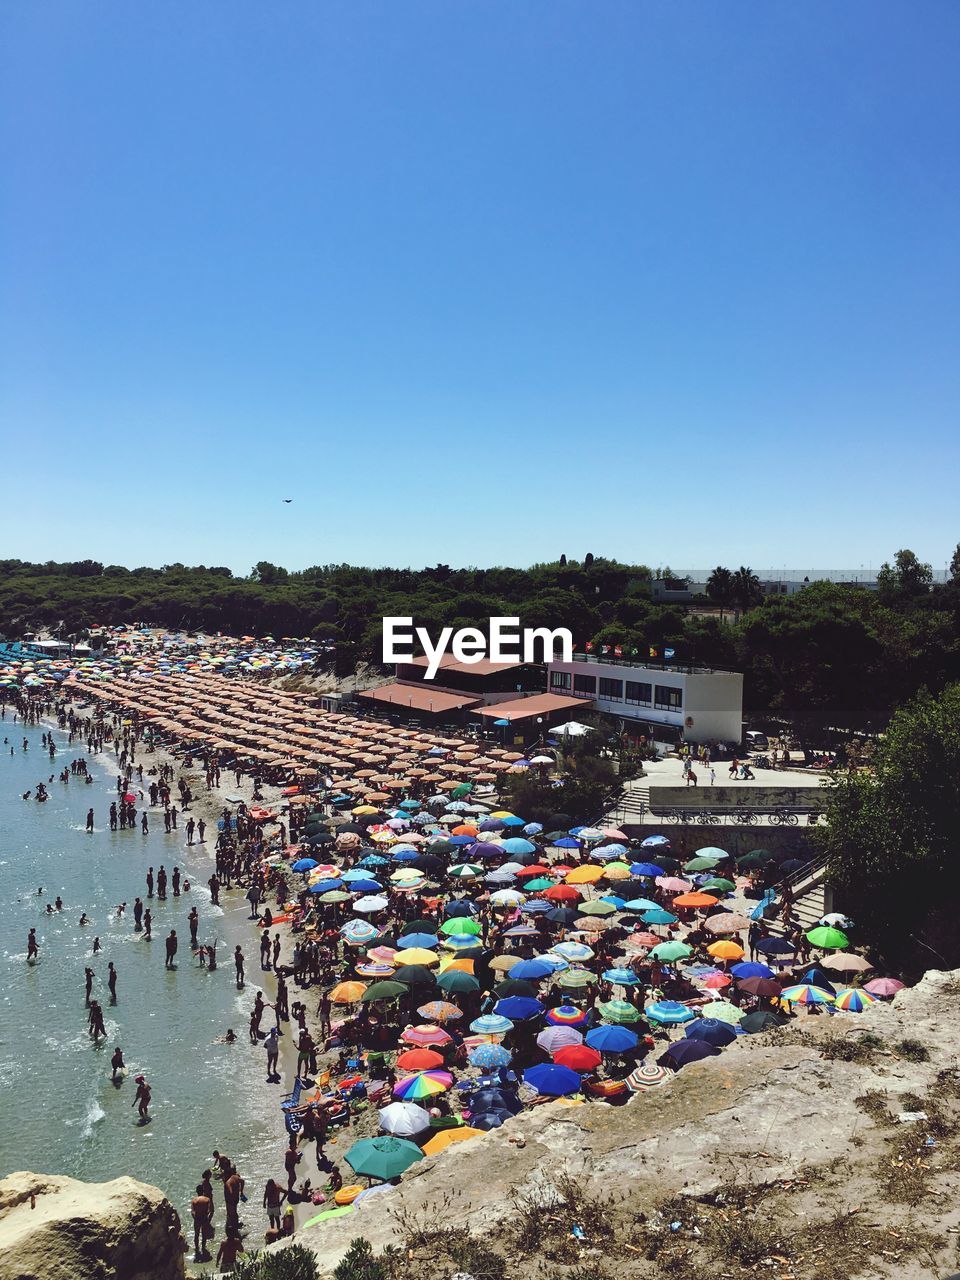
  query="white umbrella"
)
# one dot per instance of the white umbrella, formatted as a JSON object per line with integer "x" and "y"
{"x": 404, "y": 1119}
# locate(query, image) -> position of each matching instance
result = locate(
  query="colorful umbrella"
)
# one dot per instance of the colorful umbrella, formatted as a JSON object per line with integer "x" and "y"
{"x": 853, "y": 999}
{"x": 425, "y": 1084}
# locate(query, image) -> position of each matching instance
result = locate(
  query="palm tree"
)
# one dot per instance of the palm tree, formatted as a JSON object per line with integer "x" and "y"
{"x": 746, "y": 589}
{"x": 720, "y": 588}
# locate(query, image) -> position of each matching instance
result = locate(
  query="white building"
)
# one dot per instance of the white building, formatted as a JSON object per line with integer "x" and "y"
{"x": 696, "y": 703}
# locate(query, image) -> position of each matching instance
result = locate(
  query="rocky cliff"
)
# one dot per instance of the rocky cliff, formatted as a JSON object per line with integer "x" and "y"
{"x": 828, "y": 1149}
{"x": 60, "y": 1229}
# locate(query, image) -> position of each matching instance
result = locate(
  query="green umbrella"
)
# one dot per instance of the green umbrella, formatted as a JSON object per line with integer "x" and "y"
{"x": 385, "y": 1157}
{"x": 755, "y": 858}
{"x": 462, "y": 790}
{"x": 334, "y": 895}
{"x": 827, "y": 938}
{"x": 671, "y": 951}
{"x": 718, "y": 882}
{"x": 701, "y": 864}
{"x": 457, "y": 981}
{"x": 414, "y": 975}
{"x": 538, "y": 884}
{"x": 576, "y": 978}
{"x": 619, "y": 1011}
{"x": 596, "y": 908}
{"x": 459, "y": 926}
{"x": 383, "y": 991}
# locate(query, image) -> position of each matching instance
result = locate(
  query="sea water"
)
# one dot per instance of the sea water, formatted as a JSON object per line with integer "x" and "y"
{"x": 59, "y": 1111}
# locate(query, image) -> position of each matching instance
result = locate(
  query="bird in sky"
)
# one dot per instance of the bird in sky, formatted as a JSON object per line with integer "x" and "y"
{"x": 288, "y": 499}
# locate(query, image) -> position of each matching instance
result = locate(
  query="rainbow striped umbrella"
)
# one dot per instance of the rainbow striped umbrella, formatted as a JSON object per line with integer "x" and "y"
{"x": 422, "y": 1085}
{"x": 853, "y": 999}
{"x": 566, "y": 1015}
{"x": 804, "y": 993}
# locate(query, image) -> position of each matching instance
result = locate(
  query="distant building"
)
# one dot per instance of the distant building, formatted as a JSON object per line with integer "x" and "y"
{"x": 458, "y": 688}
{"x": 664, "y": 701}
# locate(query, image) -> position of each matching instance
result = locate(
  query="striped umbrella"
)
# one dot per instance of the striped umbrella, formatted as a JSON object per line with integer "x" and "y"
{"x": 647, "y": 1077}
{"x": 425, "y": 1084}
{"x": 566, "y": 1015}
{"x": 803, "y": 993}
{"x": 553, "y": 1038}
{"x": 619, "y": 1011}
{"x": 440, "y": 1011}
{"x": 669, "y": 1011}
{"x": 853, "y": 999}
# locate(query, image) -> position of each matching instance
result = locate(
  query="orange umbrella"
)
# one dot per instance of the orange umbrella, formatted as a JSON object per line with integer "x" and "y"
{"x": 695, "y": 899}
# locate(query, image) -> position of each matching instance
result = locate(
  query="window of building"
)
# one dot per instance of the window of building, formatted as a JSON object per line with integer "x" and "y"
{"x": 560, "y": 679}
{"x": 669, "y": 698}
{"x": 584, "y": 686}
{"x": 611, "y": 689}
{"x": 639, "y": 693}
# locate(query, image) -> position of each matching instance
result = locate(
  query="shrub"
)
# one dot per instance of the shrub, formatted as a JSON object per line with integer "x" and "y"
{"x": 295, "y": 1263}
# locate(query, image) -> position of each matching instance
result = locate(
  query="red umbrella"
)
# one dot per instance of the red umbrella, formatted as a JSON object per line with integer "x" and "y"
{"x": 129, "y": 798}
{"x": 562, "y": 893}
{"x": 419, "y": 1060}
{"x": 578, "y": 1057}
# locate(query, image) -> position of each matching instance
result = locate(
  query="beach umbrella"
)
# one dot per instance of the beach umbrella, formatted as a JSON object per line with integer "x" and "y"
{"x": 456, "y": 982}
{"x": 816, "y": 977}
{"x": 713, "y": 1030}
{"x": 669, "y": 1012}
{"x": 751, "y": 969}
{"x": 587, "y": 874}
{"x": 416, "y": 955}
{"x": 718, "y": 882}
{"x": 553, "y": 1038}
{"x": 804, "y": 993}
{"x": 562, "y": 893}
{"x": 853, "y": 999}
{"x": 424, "y": 1036}
{"x": 412, "y": 941}
{"x": 726, "y": 922}
{"x": 404, "y": 1119}
{"x": 518, "y": 1008}
{"x": 648, "y": 869}
{"x": 649, "y": 1076}
{"x": 491, "y": 1024}
{"x": 846, "y": 962}
{"x": 425, "y": 1084}
{"x": 576, "y": 979}
{"x": 573, "y": 951}
{"x": 466, "y": 871}
{"x": 384, "y": 1157}
{"x": 439, "y": 1011}
{"x": 304, "y": 864}
{"x": 490, "y": 1057}
{"x": 357, "y": 933}
{"x": 419, "y": 1060}
{"x": 566, "y": 1015}
{"x": 695, "y": 899}
{"x": 761, "y": 1020}
{"x": 836, "y": 918}
{"x": 725, "y": 950}
{"x": 682, "y": 1052}
{"x": 775, "y": 946}
{"x": 723, "y": 1011}
{"x": 671, "y": 951}
{"x": 347, "y": 992}
{"x": 531, "y": 970}
{"x": 460, "y": 908}
{"x": 766, "y": 988}
{"x": 612, "y": 1039}
{"x": 884, "y": 987}
{"x": 414, "y": 975}
{"x": 578, "y": 1057}
{"x": 383, "y": 991}
{"x": 619, "y": 1011}
{"x": 640, "y": 904}
{"x": 599, "y": 907}
{"x": 658, "y": 916}
{"x": 447, "y": 1137}
{"x": 700, "y": 863}
{"x": 622, "y": 977}
{"x": 504, "y": 963}
{"x": 827, "y": 938}
{"x": 371, "y": 903}
{"x": 461, "y": 926}
{"x": 552, "y": 1081}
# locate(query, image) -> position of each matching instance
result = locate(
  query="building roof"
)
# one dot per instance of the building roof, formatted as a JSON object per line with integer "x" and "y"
{"x": 540, "y": 704}
{"x": 482, "y": 668}
{"x": 420, "y": 697}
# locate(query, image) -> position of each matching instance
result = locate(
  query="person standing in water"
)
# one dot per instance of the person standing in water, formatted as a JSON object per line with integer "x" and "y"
{"x": 117, "y": 1064}
{"x": 88, "y": 978}
{"x": 171, "y": 949}
{"x": 147, "y": 924}
{"x": 238, "y": 962}
{"x": 95, "y": 1021}
{"x": 142, "y": 1098}
{"x": 33, "y": 947}
{"x": 89, "y": 819}
{"x": 112, "y": 982}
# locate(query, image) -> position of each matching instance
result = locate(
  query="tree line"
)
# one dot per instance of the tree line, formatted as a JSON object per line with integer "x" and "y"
{"x": 833, "y": 656}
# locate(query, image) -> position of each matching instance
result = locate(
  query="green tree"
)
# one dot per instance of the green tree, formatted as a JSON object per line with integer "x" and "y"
{"x": 891, "y": 838}
{"x": 955, "y": 565}
{"x": 905, "y": 579}
{"x": 745, "y": 589}
{"x": 720, "y": 588}
{"x": 360, "y": 1263}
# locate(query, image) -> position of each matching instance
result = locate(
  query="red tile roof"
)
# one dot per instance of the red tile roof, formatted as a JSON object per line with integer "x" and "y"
{"x": 540, "y": 704}
{"x": 420, "y": 697}
{"x": 482, "y": 668}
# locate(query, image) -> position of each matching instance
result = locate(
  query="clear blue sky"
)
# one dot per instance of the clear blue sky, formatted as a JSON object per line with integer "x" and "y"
{"x": 480, "y": 282}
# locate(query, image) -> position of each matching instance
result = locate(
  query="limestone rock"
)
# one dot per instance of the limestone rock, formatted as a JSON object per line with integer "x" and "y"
{"x": 60, "y": 1229}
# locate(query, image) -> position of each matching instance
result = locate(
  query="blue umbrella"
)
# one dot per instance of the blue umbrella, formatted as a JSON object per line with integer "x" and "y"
{"x": 669, "y": 1011}
{"x": 304, "y": 864}
{"x": 323, "y": 886}
{"x": 682, "y": 1052}
{"x": 612, "y": 1039}
{"x": 405, "y": 855}
{"x": 712, "y": 1030}
{"x": 751, "y": 969}
{"x": 353, "y": 874}
{"x": 536, "y": 906}
{"x": 489, "y": 1057}
{"x": 623, "y": 977}
{"x": 652, "y": 842}
{"x": 514, "y": 821}
{"x": 518, "y": 1008}
{"x": 491, "y": 1024}
{"x": 427, "y": 940}
{"x": 531, "y": 970}
{"x": 641, "y": 904}
{"x": 552, "y": 1080}
{"x": 649, "y": 869}
{"x": 460, "y": 908}
{"x": 518, "y": 845}
{"x": 659, "y": 916}
{"x": 776, "y": 946}
{"x": 533, "y": 829}
{"x": 567, "y": 842}
{"x": 365, "y": 886}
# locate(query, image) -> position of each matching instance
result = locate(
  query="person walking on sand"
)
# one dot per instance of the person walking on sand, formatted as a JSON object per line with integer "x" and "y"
{"x": 171, "y": 949}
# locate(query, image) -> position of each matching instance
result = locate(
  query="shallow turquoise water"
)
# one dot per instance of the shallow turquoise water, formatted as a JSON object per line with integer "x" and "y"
{"x": 59, "y": 1111}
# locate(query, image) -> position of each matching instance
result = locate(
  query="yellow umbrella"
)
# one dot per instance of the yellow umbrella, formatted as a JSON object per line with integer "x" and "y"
{"x": 364, "y": 809}
{"x": 584, "y": 875}
{"x": 447, "y": 1137}
{"x": 415, "y": 955}
{"x": 725, "y": 950}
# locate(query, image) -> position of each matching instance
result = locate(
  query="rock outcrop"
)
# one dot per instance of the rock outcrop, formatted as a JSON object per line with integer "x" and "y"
{"x": 805, "y": 1119}
{"x": 59, "y": 1229}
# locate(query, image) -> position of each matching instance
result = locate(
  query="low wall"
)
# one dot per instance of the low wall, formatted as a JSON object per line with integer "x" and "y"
{"x": 686, "y": 838}
{"x": 758, "y": 796}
